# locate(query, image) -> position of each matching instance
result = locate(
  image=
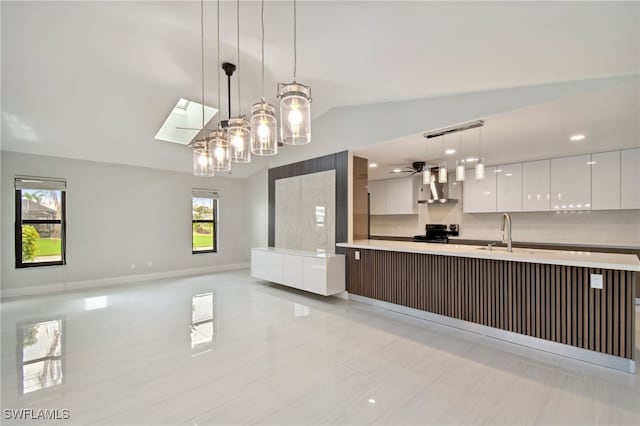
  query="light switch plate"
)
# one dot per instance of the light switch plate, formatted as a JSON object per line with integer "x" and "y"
{"x": 596, "y": 281}
{"x": 357, "y": 255}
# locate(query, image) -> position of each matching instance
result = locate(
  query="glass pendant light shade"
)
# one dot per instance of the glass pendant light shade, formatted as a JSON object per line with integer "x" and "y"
{"x": 264, "y": 137}
{"x": 426, "y": 176}
{"x": 442, "y": 173}
{"x": 238, "y": 140}
{"x": 295, "y": 113}
{"x": 202, "y": 159}
{"x": 219, "y": 149}
{"x": 480, "y": 169}
{"x": 459, "y": 171}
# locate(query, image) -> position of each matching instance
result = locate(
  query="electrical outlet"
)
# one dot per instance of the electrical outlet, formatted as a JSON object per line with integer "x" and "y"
{"x": 132, "y": 266}
{"x": 149, "y": 264}
{"x": 596, "y": 281}
{"x": 357, "y": 255}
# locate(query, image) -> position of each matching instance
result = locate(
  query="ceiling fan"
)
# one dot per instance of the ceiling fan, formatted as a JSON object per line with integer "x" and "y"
{"x": 416, "y": 167}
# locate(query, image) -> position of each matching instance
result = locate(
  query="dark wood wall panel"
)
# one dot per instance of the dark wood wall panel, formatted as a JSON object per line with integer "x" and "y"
{"x": 338, "y": 162}
{"x": 552, "y": 302}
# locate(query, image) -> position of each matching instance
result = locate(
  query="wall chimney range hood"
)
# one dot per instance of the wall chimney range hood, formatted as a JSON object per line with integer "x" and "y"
{"x": 438, "y": 192}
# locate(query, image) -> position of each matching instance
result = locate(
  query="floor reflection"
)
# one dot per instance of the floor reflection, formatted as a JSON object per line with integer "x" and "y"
{"x": 203, "y": 324}
{"x": 41, "y": 347}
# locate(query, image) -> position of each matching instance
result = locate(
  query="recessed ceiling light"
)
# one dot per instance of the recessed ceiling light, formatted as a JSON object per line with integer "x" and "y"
{"x": 576, "y": 137}
{"x": 471, "y": 159}
{"x": 591, "y": 163}
{"x": 508, "y": 174}
{"x": 373, "y": 165}
{"x": 450, "y": 151}
{"x": 372, "y": 401}
{"x": 498, "y": 170}
{"x": 396, "y": 170}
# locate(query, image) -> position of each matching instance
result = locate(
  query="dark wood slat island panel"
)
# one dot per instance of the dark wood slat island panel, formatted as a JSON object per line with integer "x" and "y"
{"x": 551, "y": 302}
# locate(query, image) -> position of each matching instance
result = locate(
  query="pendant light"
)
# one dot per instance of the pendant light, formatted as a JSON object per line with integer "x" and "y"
{"x": 295, "y": 103}
{"x": 238, "y": 133}
{"x": 480, "y": 162}
{"x": 426, "y": 172}
{"x": 202, "y": 155}
{"x": 264, "y": 137}
{"x": 460, "y": 163}
{"x": 442, "y": 171}
{"x": 218, "y": 145}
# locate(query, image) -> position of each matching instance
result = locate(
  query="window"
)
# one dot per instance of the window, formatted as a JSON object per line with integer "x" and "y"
{"x": 40, "y": 222}
{"x": 204, "y": 231}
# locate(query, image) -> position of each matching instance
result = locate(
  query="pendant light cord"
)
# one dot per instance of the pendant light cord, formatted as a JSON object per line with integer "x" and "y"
{"x": 262, "y": 47}
{"x": 238, "y": 41}
{"x": 202, "y": 55}
{"x": 295, "y": 41}
{"x": 218, "y": 52}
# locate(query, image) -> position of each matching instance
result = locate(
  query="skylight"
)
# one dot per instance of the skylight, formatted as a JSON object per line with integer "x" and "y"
{"x": 186, "y": 114}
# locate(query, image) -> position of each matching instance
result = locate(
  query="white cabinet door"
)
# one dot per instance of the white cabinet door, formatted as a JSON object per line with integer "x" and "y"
{"x": 275, "y": 271}
{"x": 571, "y": 183}
{"x": 536, "y": 186}
{"x": 605, "y": 181}
{"x": 509, "y": 188}
{"x": 377, "y": 197}
{"x": 293, "y": 271}
{"x": 259, "y": 264}
{"x": 315, "y": 275}
{"x": 401, "y": 196}
{"x": 479, "y": 196}
{"x": 630, "y": 179}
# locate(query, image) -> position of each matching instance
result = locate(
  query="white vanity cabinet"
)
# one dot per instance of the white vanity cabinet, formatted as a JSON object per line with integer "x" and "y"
{"x": 394, "y": 196}
{"x": 509, "y": 188}
{"x": 630, "y": 178}
{"x": 571, "y": 183}
{"x": 535, "y": 186}
{"x": 319, "y": 273}
{"x": 479, "y": 196}
{"x": 605, "y": 181}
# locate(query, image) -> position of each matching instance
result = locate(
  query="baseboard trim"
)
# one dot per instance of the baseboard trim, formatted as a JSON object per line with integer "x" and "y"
{"x": 114, "y": 281}
{"x": 598, "y": 358}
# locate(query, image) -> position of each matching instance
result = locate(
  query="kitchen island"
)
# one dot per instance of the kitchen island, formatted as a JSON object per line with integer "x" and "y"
{"x": 539, "y": 298}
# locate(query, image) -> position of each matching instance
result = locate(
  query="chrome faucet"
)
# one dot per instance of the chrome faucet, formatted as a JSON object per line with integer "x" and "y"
{"x": 506, "y": 219}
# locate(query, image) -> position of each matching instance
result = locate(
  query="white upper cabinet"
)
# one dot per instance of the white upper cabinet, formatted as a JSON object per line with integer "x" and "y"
{"x": 630, "y": 178}
{"x": 605, "y": 181}
{"x": 571, "y": 183}
{"x": 479, "y": 196}
{"x": 394, "y": 196}
{"x": 535, "y": 186}
{"x": 509, "y": 188}
{"x": 377, "y": 197}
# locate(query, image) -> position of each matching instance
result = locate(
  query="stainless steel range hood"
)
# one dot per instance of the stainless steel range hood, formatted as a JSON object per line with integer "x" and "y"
{"x": 438, "y": 193}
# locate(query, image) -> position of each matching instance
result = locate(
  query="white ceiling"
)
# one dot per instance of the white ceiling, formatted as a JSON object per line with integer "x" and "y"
{"x": 95, "y": 80}
{"x": 609, "y": 118}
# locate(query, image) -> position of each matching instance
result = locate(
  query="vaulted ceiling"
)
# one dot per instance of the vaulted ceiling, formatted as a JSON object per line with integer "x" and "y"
{"x": 95, "y": 80}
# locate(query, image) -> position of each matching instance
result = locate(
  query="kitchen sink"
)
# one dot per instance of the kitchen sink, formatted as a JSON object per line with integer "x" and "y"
{"x": 504, "y": 250}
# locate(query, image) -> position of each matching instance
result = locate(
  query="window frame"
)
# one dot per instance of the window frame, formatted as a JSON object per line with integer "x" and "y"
{"x": 213, "y": 195}
{"x": 19, "y": 222}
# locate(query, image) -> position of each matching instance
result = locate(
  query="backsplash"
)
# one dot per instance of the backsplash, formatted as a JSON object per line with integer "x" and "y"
{"x": 616, "y": 227}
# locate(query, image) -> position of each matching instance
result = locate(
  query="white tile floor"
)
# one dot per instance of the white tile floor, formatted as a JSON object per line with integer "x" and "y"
{"x": 227, "y": 349}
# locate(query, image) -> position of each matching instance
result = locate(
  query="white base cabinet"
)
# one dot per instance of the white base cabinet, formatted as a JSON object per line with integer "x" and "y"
{"x": 305, "y": 270}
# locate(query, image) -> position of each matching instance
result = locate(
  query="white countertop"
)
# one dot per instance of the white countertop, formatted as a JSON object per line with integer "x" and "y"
{"x": 617, "y": 245}
{"x": 307, "y": 253}
{"x": 625, "y": 262}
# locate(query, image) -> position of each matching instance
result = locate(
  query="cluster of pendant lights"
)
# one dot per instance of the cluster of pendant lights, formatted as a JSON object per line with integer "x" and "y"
{"x": 259, "y": 135}
{"x": 460, "y": 165}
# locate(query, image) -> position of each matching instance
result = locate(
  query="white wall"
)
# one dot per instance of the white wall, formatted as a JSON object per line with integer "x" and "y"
{"x": 257, "y": 212}
{"x": 619, "y": 227}
{"x": 122, "y": 215}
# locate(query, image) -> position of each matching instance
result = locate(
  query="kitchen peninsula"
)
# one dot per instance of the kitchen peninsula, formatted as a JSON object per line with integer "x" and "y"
{"x": 545, "y": 299}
